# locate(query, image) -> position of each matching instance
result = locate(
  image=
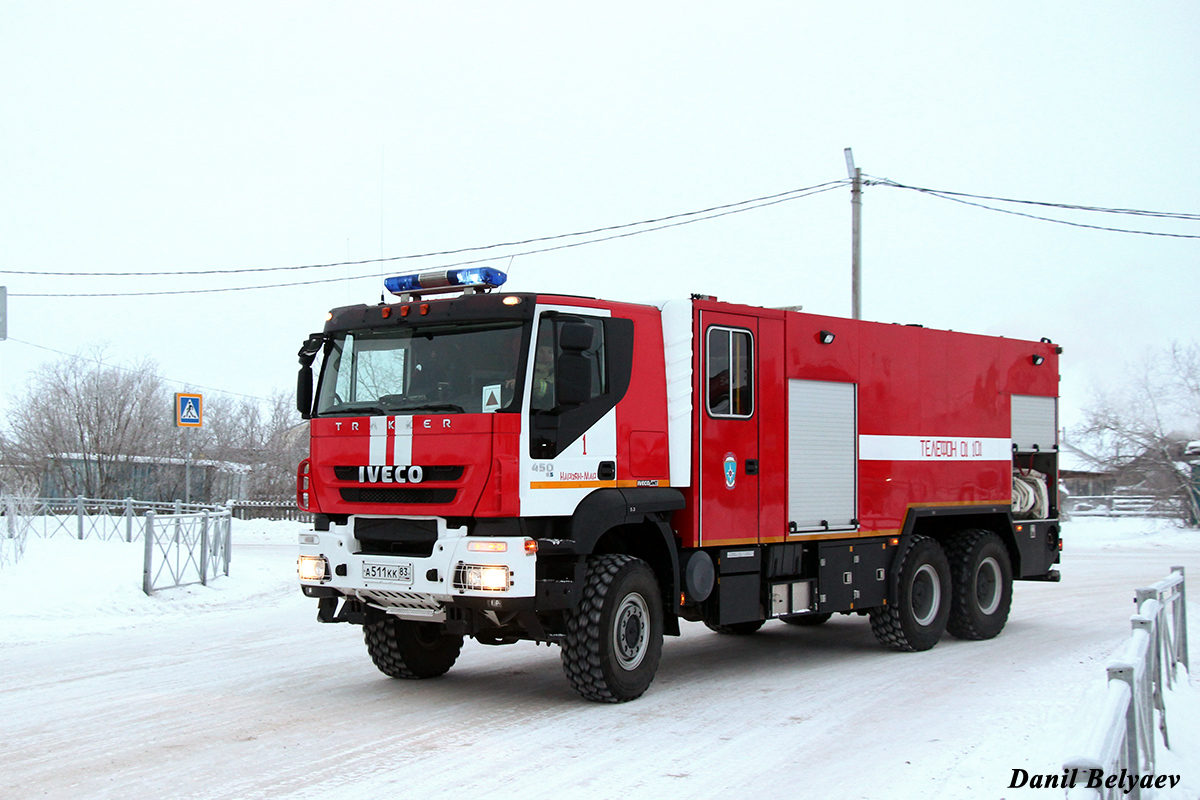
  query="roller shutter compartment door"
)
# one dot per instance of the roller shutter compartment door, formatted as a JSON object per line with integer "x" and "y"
{"x": 822, "y": 457}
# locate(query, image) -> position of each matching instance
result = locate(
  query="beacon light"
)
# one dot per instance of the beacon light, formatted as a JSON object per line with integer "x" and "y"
{"x": 445, "y": 280}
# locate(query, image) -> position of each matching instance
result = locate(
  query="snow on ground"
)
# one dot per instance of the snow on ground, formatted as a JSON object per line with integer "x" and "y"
{"x": 96, "y": 585}
{"x": 235, "y": 691}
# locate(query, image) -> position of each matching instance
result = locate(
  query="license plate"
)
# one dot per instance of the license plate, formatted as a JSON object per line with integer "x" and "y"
{"x": 396, "y": 573}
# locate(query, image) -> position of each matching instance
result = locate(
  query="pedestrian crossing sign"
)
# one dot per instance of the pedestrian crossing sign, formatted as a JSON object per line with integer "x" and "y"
{"x": 189, "y": 410}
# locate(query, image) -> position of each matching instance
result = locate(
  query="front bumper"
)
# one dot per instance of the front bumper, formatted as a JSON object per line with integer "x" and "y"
{"x": 468, "y": 571}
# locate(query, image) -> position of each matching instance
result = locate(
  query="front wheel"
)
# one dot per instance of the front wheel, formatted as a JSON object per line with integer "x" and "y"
{"x": 402, "y": 648}
{"x": 916, "y": 616}
{"x": 614, "y": 639}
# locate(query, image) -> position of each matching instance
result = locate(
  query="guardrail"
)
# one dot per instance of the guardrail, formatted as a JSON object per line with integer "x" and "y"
{"x": 185, "y": 543}
{"x": 185, "y": 548}
{"x": 1122, "y": 739}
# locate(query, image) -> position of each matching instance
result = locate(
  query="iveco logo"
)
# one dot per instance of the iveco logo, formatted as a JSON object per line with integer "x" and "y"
{"x": 397, "y": 474}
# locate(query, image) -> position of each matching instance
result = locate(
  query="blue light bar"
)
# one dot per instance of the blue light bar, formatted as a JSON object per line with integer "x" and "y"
{"x": 445, "y": 280}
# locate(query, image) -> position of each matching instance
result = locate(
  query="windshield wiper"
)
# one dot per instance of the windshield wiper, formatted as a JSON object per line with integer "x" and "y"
{"x": 357, "y": 410}
{"x": 457, "y": 409}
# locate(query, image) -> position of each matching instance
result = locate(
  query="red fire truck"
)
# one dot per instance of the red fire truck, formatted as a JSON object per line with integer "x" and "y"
{"x": 512, "y": 466}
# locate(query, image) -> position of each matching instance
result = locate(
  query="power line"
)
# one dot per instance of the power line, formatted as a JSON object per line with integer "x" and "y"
{"x": 734, "y": 208}
{"x": 185, "y": 384}
{"x": 1133, "y": 211}
{"x": 958, "y": 197}
{"x": 458, "y": 251}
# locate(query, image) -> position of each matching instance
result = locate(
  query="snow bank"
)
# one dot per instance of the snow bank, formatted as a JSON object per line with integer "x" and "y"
{"x": 1126, "y": 533}
{"x": 1182, "y": 702}
{"x": 66, "y": 587}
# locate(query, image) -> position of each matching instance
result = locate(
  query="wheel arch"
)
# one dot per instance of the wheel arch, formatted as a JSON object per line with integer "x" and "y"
{"x": 635, "y": 522}
{"x": 943, "y": 524}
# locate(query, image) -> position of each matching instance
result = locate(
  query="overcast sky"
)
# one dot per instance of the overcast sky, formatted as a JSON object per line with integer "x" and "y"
{"x": 177, "y": 137}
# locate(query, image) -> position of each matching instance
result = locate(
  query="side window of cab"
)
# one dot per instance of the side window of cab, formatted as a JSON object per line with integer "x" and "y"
{"x": 572, "y": 386}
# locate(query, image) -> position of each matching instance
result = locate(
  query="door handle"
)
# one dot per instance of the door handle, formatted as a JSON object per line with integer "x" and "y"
{"x": 751, "y": 466}
{"x": 607, "y": 471}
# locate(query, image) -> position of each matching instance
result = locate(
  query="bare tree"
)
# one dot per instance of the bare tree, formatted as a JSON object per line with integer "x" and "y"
{"x": 85, "y": 426}
{"x": 80, "y": 417}
{"x": 1141, "y": 428}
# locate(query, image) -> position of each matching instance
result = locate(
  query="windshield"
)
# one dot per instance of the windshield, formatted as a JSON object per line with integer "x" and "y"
{"x": 459, "y": 368}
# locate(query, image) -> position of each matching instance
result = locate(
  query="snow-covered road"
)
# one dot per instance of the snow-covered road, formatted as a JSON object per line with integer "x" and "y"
{"x": 235, "y": 691}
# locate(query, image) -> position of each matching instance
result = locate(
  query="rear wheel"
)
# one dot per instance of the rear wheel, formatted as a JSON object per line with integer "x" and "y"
{"x": 916, "y": 616}
{"x": 982, "y": 575}
{"x": 614, "y": 638}
{"x": 401, "y": 648}
{"x": 808, "y": 620}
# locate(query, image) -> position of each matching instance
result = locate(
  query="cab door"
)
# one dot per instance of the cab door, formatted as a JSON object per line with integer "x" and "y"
{"x": 729, "y": 481}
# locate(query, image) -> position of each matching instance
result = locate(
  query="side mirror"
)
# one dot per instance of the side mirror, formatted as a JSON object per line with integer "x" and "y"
{"x": 573, "y": 372}
{"x": 304, "y": 392}
{"x": 574, "y": 378}
{"x": 304, "y": 381}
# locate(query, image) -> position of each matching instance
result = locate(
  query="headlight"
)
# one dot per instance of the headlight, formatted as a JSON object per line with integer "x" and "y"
{"x": 312, "y": 568}
{"x": 482, "y": 577}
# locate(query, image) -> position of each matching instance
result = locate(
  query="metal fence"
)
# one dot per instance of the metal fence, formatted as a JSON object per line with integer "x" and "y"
{"x": 269, "y": 509}
{"x": 185, "y": 548}
{"x": 1122, "y": 738}
{"x": 184, "y": 543}
{"x": 1118, "y": 505}
{"x": 14, "y": 532}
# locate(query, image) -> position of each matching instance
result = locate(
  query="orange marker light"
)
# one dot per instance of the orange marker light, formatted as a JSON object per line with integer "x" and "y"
{"x": 530, "y": 546}
{"x": 488, "y": 547}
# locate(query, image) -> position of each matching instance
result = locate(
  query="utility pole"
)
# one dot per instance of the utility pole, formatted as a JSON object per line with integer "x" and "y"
{"x": 855, "y": 236}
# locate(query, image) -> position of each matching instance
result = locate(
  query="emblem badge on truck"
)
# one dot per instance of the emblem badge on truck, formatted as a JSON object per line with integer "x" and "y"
{"x": 730, "y": 470}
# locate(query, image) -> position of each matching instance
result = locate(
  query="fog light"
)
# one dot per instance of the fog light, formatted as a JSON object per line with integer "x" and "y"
{"x": 312, "y": 568}
{"x": 481, "y": 577}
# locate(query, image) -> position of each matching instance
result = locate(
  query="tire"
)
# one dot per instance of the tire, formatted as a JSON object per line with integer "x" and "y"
{"x": 807, "y": 620}
{"x": 981, "y": 572}
{"x": 614, "y": 639}
{"x": 737, "y": 628}
{"x": 401, "y": 648}
{"x": 919, "y": 608}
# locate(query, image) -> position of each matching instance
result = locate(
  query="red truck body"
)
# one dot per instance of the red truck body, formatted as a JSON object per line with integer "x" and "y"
{"x": 713, "y": 462}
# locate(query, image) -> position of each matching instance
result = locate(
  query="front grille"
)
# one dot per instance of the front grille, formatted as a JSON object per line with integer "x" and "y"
{"x": 385, "y": 547}
{"x": 373, "y": 495}
{"x": 396, "y": 536}
{"x": 438, "y": 472}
